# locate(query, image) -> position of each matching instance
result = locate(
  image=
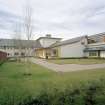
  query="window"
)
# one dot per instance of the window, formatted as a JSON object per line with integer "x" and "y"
{"x": 4, "y": 47}
{"x": 91, "y": 41}
{"x": 22, "y": 54}
{"x": 54, "y": 52}
{"x": 93, "y": 54}
{"x": 16, "y": 53}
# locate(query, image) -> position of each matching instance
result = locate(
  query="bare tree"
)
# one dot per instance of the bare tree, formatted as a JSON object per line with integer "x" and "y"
{"x": 28, "y": 27}
{"x": 17, "y": 41}
{"x": 28, "y": 22}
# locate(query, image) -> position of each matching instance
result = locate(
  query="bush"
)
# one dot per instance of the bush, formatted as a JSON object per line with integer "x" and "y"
{"x": 91, "y": 93}
{"x": 2, "y": 61}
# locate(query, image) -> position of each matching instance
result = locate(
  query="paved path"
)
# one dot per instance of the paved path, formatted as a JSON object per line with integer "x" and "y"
{"x": 65, "y": 67}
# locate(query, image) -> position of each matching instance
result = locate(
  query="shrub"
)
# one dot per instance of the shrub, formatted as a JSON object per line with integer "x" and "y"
{"x": 91, "y": 93}
{"x": 2, "y": 61}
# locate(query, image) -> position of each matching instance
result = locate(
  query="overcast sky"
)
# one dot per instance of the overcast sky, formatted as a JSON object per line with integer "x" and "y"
{"x": 61, "y": 18}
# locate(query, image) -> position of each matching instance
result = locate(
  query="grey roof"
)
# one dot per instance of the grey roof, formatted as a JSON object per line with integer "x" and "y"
{"x": 17, "y": 43}
{"x": 70, "y": 41}
{"x": 97, "y": 37}
{"x": 37, "y": 44}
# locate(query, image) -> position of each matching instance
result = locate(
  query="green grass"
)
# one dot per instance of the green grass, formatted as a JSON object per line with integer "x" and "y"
{"x": 77, "y": 61}
{"x": 14, "y": 83}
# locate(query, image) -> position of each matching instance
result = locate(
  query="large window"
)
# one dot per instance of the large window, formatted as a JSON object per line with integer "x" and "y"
{"x": 93, "y": 54}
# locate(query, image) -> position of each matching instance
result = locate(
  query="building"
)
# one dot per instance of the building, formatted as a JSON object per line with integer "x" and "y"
{"x": 44, "y": 43}
{"x": 96, "y": 46}
{"x": 17, "y": 48}
{"x": 84, "y": 46}
{"x": 50, "y": 47}
{"x": 70, "y": 48}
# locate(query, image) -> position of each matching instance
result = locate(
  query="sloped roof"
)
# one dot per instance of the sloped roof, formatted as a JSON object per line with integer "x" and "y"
{"x": 49, "y": 38}
{"x": 17, "y": 43}
{"x": 70, "y": 41}
{"x": 37, "y": 44}
{"x": 97, "y": 37}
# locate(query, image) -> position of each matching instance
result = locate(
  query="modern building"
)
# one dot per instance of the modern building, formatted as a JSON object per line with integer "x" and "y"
{"x": 44, "y": 50}
{"x": 16, "y": 48}
{"x": 50, "y": 47}
{"x": 96, "y": 46}
{"x": 84, "y": 46}
{"x": 70, "y": 48}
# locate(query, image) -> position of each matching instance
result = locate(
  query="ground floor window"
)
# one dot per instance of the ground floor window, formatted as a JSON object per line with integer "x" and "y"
{"x": 8, "y": 54}
{"x": 16, "y": 53}
{"x": 54, "y": 52}
{"x": 93, "y": 54}
{"x": 22, "y": 54}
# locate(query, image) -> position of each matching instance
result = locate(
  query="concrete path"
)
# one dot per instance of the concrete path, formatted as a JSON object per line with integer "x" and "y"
{"x": 65, "y": 67}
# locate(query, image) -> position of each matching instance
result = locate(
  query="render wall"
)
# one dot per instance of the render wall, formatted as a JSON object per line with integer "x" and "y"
{"x": 11, "y": 52}
{"x": 102, "y": 54}
{"x": 72, "y": 50}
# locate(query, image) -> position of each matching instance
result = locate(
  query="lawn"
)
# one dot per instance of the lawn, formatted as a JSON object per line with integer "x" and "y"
{"x": 77, "y": 61}
{"x": 15, "y": 85}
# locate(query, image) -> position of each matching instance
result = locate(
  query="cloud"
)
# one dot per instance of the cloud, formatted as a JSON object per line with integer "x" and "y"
{"x": 69, "y": 18}
{"x": 7, "y": 20}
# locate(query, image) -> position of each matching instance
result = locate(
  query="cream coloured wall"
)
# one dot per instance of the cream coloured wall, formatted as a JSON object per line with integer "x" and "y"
{"x": 11, "y": 52}
{"x": 40, "y": 53}
{"x": 72, "y": 50}
{"x": 102, "y": 54}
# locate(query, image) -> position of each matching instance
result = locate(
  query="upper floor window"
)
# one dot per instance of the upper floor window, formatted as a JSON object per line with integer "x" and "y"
{"x": 91, "y": 41}
{"x": 4, "y": 47}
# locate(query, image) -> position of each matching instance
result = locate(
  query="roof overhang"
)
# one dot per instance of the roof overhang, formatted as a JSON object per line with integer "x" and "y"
{"x": 95, "y": 49}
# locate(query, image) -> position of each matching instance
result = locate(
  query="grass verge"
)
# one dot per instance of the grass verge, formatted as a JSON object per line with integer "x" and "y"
{"x": 15, "y": 86}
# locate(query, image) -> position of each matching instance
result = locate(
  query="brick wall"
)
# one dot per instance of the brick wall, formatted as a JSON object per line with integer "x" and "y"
{"x": 3, "y": 55}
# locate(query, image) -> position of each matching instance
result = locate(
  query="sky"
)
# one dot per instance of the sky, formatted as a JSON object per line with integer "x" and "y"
{"x": 61, "y": 18}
